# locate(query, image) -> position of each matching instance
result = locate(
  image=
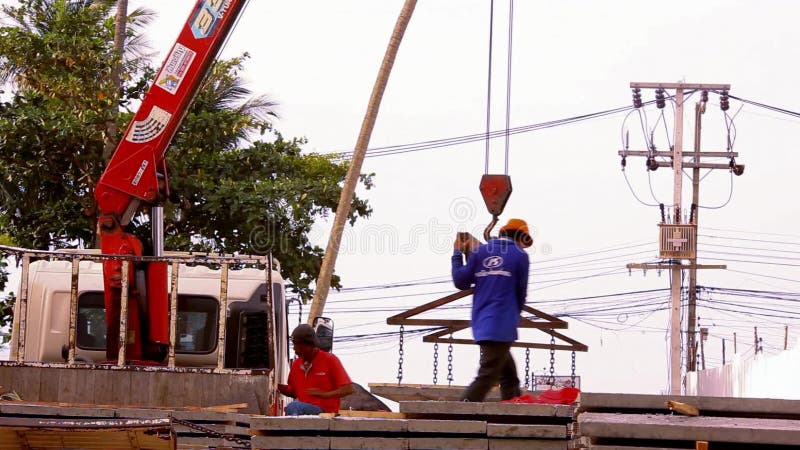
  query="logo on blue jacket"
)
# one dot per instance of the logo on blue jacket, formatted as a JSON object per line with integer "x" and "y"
{"x": 493, "y": 262}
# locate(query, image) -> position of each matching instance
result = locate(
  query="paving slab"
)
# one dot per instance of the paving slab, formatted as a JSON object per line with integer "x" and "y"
{"x": 486, "y": 408}
{"x": 377, "y": 443}
{"x": 447, "y": 426}
{"x": 526, "y": 431}
{"x": 683, "y": 428}
{"x": 753, "y": 407}
{"x": 527, "y": 444}
{"x": 364, "y": 424}
{"x": 286, "y": 423}
{"x": 448, "y": 443}
{"x": 290, "y": 442}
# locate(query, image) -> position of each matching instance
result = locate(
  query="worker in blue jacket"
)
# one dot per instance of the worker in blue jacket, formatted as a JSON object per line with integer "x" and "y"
{"x": 499, "y": 272}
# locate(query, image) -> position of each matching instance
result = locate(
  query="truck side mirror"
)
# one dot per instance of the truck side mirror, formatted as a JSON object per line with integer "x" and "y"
{"x": 323, "y": 327}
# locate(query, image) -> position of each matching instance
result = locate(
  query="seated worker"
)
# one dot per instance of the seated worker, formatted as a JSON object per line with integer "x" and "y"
{"x": 317, "y": 379}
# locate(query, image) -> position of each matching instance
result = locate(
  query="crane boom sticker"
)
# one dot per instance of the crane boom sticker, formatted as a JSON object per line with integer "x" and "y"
{"x": 175, "y": 68}
{"x": 149, "y": 129}
{"x": 208, "y": 16}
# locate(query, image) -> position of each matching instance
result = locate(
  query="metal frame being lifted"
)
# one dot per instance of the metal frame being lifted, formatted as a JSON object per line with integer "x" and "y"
{"x": 548, "y": 324}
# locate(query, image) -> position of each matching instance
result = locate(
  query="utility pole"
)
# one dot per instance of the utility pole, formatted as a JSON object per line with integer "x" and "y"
{"x": 691, "y": 356}
{"x": 354, "y": 171}
{"x": 679, "y": 241}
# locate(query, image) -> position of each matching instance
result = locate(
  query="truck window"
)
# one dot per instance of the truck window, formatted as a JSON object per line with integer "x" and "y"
{"x": 197, "y": 323}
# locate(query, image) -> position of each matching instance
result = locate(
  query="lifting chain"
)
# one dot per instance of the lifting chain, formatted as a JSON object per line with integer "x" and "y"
{"x": 435, "y": 363}
{"x": 573, "y": 369}
{"x": 450, "y": 361}
{"x": 244, "y": 443}
{"x": 527, "y": 368}
{"x": 551, "y": 380}
{"x": 400, "y": 357}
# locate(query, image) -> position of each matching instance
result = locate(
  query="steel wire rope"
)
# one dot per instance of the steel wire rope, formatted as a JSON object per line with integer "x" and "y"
{"x": 489, "y": 85}
{"x": 508, "y": 77}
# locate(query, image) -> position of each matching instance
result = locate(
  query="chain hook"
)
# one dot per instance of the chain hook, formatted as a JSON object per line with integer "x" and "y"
{"x": 400, "y": 357}
{"x": 551, "y": 380}
{"x": 450, "y": 360}
{"x": 573, "y": 369}
{"x": 435, "y": 363}
{"x": 527, "y": 368}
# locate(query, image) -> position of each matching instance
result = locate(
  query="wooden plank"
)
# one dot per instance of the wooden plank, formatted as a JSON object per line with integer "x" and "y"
{"x": 94, "y": 439}
{"x": 529, "y": 431}
{"x": 378, "y": 443}
{"x": 9, "y": 439}
{"x": 682, "y": 428}
{"x": 683, "y": 408}
{"x": 752, "y": 407}
{"x": 290, "y": 442}
{"x": 527, "y": 444}
{"x": 429, "y": 443}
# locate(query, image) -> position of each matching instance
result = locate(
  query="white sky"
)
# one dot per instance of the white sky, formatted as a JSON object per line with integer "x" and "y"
{"x": 319, "y": 59}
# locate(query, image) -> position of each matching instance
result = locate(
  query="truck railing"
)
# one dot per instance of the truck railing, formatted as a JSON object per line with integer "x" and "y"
{"x": 224, "y": 262}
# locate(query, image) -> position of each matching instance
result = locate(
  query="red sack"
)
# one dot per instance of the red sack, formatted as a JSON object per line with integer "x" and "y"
{"x": 563, "y": 396}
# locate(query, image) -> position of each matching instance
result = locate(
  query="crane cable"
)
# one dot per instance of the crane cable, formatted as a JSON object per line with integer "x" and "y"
{"x": 506, "y": 131}
{"x": 489, "y": 86}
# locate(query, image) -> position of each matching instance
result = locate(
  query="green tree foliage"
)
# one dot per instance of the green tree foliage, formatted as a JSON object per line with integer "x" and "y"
{"x": 227, "y": 192}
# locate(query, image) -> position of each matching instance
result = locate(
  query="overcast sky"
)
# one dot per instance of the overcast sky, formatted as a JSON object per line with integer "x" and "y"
{"x": 319, "y": 59}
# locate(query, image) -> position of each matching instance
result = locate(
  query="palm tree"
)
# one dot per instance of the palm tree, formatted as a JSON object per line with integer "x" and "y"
{"x": 354, "y": 171}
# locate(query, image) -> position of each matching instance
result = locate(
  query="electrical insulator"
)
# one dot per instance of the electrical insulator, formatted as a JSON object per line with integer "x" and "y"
{"x": 623, "y": 162}
{"x": 660, "y": 103}
{"x": 637, "y": 98}
{"x": 704, "y": 96}
{"x": 652, "y": 164}
{"x": 723, "y": 101}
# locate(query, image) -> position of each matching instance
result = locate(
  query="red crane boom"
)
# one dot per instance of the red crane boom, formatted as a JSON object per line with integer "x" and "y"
{"x": 136, "y": 173}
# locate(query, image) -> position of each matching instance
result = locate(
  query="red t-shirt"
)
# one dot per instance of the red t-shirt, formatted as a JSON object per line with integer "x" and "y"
{"x": 326, "y": 373}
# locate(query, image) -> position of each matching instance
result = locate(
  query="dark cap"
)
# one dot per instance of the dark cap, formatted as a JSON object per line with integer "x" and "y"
{"x": 304, "y": 334}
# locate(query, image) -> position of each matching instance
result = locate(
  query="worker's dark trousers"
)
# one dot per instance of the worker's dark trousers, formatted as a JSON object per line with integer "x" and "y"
{"x": 497, "y": 365}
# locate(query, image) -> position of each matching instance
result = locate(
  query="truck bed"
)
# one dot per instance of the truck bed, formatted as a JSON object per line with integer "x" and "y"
{"x": 137, "y": 386}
